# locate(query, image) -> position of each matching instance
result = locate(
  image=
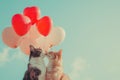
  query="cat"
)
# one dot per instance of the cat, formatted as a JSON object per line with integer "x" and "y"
{"x": 36, "y": 67}
{"x": 54, "y": 69}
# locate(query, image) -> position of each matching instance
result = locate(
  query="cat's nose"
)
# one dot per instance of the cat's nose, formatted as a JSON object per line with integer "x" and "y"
{"x": 45, "y": 53}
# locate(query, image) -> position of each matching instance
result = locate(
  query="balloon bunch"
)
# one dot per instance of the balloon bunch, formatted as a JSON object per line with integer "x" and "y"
{"x": 29, "y": 29}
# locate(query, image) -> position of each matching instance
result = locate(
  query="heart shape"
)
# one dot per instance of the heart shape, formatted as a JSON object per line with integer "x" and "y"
{"x": 33, "y": 13}
{"x": 44, "y": 25}
{"x": 21, "y": 24}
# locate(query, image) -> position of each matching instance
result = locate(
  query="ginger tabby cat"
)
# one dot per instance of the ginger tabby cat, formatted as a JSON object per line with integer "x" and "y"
{"x": 54, "y": 69}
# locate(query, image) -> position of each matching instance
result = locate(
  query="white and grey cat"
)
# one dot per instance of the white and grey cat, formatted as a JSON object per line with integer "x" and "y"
{"x": 36, "y": 67}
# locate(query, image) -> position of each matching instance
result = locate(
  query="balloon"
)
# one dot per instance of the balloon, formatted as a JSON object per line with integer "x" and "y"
{"x": 44, "y": 25}
{"x": 33, "y": 32}
{"x": 21, "y": 24}
{"x": 9, "y": 37}
{"x": 36, "y": 38}
{"x": 43, "y": 43}
{"x": 33, "y": 13}
{"x": 56, "y": 36}
{"x": 25, "y": 43}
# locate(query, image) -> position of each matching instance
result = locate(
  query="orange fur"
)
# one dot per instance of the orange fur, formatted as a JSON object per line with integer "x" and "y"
{"x": 54, "y": 67}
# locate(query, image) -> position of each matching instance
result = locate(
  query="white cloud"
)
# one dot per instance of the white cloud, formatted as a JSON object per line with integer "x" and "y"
{"x": 77, "y": 65}
{"x": 6, "y": 56}
{"x": 89, "y": 78}
{"x": 19, "y": 55}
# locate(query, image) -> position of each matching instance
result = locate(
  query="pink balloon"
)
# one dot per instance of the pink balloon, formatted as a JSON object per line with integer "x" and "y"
{"x": 25, "y": 43}
{"x": 37, "y": 38}
{"x": 9, "y": 37}
{"x": 33, "y": 32}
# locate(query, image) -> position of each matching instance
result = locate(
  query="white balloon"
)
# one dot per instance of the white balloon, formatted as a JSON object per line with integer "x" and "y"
{"x": 56, "y": 36}
{"x": 43, "y": 43}
{"x": 10, "y": 38}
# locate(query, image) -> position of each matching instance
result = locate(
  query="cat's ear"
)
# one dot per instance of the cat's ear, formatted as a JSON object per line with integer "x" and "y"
{"x": 60, "y": 53}
{"x": 32, "y": 48}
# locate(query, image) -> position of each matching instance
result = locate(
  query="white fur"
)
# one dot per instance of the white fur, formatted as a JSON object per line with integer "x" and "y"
{"x": 39, "y": 63}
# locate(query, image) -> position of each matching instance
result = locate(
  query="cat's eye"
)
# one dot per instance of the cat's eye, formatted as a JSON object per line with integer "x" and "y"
{"x": 37, "y": 52}
{"x": 53, "y": 56}
{"x": 50, "y": 56}
{"x": 40, "y": 50}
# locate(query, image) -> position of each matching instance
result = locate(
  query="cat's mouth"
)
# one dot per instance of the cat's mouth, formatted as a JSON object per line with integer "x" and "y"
{"x": 47, "y": 55}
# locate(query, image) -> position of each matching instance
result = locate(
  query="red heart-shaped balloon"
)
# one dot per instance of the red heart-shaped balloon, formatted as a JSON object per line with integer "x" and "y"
{"x": 33, "y": 13}
{"x": 44, "y": 25}
{"x": 21, "y": 24}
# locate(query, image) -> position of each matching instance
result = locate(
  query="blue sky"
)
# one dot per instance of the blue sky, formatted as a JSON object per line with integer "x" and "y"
{"x": 91, "y": 49}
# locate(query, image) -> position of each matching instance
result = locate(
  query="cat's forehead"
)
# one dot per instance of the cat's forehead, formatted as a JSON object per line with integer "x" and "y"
{"x": 52, "y": 52}
{"x": 38, "y": 49}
